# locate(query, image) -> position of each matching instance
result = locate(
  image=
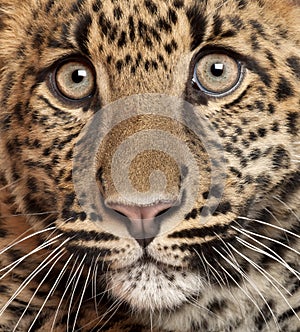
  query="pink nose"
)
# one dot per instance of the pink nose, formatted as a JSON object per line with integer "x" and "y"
{"x": 141, "y": 220}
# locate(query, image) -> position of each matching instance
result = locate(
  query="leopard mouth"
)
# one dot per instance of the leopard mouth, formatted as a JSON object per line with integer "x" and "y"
{"x": 153, "y": 286}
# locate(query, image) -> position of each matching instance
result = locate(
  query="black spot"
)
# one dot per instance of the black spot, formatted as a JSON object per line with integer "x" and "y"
{"x": 172, "y": 16}
{"x": 292, "y": 122}
{"x": 217, "y": 25}
{"x": 228, "y": 34}
{"x": 259, "y": 105}
{"x": 294, "y": 63}
{"x": 258, "y": 27}
{"x": 254, "y": 42}
{"x": 236, "y": 172}
{"x": 82, "y": 32}
{"x": 270, "y": 57}
{"x": 128, "y": 59}
{"x": 151, "y": 6}
{"x": 14, "y": 146}
{"x": 284, "y": 89}
{"x": 280, "y": 158}
{"x": 271, "y": 108}
{"x": 255, "y": 154}
{"x": 118, "y": 13}
{"x": 104, "y": 24}
{"x": 237, "y": 23}
{"x": 170, "y": 47}
{"x": 198, "y": 26}
{"x": 217, "y": 306}
{"x": 223, "y": 208}
{"x": 191, "y": 215}
{"x": 261, "y": 132}
{"x": 3, "y": 233}
{"x": 131, "y": 29}
{"x": 32, "y": 184}
{"x": 38, "y": 38}
{"x": 263, "y": 181}
{"x": 275, "y": 126}
{"x": 97, "y": 5}
{"x": 263, "y": 73}
{"x": 252, "y": 136}
{"x": 163, "y": 25}
{"x": 122, "y": 39}
{"x": 178, "y": 4}
{"x": 242, "y": 4}
{"x": 119, "y": 65}
{"x": 49, "y": 5}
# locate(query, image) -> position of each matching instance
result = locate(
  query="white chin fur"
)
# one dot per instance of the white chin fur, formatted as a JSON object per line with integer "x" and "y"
{"x": 149, "y": 287}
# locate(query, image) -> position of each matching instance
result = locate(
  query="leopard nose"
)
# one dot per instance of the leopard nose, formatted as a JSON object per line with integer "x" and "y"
{"x": 140, "y": 220}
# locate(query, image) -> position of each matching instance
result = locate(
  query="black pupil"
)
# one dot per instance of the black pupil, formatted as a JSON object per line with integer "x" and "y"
{"x": 217, "y": 69}
{"x": 78, "y": 75}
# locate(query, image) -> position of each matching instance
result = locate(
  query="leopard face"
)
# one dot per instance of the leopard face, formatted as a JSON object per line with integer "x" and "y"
{"x": 150, "y": 155}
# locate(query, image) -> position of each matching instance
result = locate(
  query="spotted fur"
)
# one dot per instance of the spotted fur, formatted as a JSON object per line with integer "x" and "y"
{"x": 60, "y": 270}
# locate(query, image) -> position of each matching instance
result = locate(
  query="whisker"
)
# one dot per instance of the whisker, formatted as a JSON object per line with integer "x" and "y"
{"x": 81, "y": 298}
{"x": 80, "y": 267}
{"x": 27, "y": 214}
{"x": 271, "y": 225}
{"x": 68, "y": 284}
{"x": 10, "y": 184}
{"x": 94, "y": 284}
{"x": 113, "y": 308}
{"x": 25, "y": 238}
{"x": 289, "y": 208}
{"x": 276, "y": 257}
{"x": 264, "y": 273}
{"x": 253, "y": 285}
{"x": 32, "y": 275}
{"x": 37, "y": 289}
{"x": 267, "y": 275}
{"x": 207, "y": 266}
{"x": 14, "y": 264}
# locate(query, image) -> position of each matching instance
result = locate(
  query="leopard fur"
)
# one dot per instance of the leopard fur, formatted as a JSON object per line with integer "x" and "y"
{"x": 61, "y": 267}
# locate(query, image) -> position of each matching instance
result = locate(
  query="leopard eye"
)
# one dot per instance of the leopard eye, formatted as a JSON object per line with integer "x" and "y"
{"x": 75, "y": 79}
{"x": 217, "y": 74}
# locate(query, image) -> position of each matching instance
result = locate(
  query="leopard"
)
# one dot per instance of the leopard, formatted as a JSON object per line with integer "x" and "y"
{"x": 150, "y": 165}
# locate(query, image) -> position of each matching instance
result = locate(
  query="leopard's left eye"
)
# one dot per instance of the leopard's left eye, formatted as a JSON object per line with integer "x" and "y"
{"x": 75, "y": 79}
{"x": 217, "y": 74}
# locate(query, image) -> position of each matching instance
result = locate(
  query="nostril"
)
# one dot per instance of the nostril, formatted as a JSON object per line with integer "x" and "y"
{"x": 140, "y": 220}
{"x": 136, "y": 212}
{"x": 162, "y": 212}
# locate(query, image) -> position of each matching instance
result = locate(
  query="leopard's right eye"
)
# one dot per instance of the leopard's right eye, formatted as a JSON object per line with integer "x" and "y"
{"x": 217, "y": 74}
{"x": 74, "y": 79}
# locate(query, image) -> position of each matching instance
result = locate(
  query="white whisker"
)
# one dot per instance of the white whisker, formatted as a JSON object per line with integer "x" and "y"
{"x": 14, "y": 264}
{"x": 81, "y": 298}
{"x": 271, "y": 225}
{"x": 251, "y": 283}
{"x": 61, "y": 252}
{"x": 276, "y": 257}
{"x": 80, "y": 267}
{"x": 290, "y": 209}
{"x": 32, "y": 275}
{"x": 265, "y": 274}
{"x": 68, "y": 284}
{"x": 25, "y": 238}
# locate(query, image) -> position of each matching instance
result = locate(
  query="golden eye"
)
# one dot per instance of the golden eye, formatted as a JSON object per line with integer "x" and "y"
{"x": 75, "y": 79}
{"x": 217, "y": 74}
